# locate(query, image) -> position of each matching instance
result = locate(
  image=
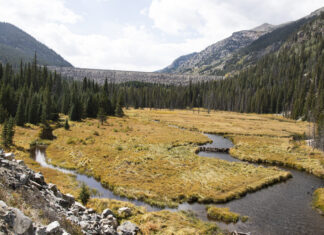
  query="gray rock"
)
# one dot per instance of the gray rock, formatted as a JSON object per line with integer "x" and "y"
{"x": 41, "y": 231}
{"x": 127, "y": 228}
{"x": 22, "y": 224}
{"x": 53, "y": 228}
{"x": 20, "y": 162}
{"x": 78, "y": 207}
{"x": 106, "y": 212}
{"x": 39, "y": 178}
{"x": 53, "y": 188}
{"x": 108, "y": 230}
{"x": 23, "y": 178}
{"x": 9, "y": 156}
{"x": 125, "y": 211}
{"x": 69, "y": 198}
{"x": 3, "y": 205}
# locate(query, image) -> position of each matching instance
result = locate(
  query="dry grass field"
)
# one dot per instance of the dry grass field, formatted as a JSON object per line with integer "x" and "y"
{"x": 151, "y": 161}
{"x": 141, "y": 156}
{"x": 257, "y": 138}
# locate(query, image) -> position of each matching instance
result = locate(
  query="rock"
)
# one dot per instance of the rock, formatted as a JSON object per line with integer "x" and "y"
{"x": 23, "y": 178}
{"x": 64, "y": 203}
{"x": 9, "y": 156}
{"x": 69, "y": 198}
{"x": 110, "y": 221}
{"x": 39, "y": 178}
{"x": 20, "y": 162}
{"x": 106, "y": 212}
{"x": 125, "y": 211}
{"x": 22, "y": 224}
{"x": 108, "y": 231}
{"x": 53, "y": 188}
{"x": 53, "y": 228}
{"x": 127, "y": 228}
{"x": 91, "y": 211}
{"x": 84, "y": 225}
{"x": 3, "y": 205}
{"x": 78, "y": 207}
{"x": 41, "y": 231}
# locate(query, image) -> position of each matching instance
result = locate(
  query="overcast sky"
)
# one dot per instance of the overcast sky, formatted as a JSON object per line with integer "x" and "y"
{"x": 143, "y": 35}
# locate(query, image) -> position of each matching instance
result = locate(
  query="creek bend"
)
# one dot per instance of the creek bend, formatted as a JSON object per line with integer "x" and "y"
{"x": 283, "y": 208}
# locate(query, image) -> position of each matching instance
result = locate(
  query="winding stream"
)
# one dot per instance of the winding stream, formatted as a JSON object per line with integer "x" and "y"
{"x": 284, "y": 208}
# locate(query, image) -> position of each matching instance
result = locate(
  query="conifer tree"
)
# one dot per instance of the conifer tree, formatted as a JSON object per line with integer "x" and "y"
{"x": 20, "y": 114}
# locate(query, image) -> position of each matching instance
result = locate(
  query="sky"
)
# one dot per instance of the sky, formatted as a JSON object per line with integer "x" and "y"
{"x": 142, "y": 35}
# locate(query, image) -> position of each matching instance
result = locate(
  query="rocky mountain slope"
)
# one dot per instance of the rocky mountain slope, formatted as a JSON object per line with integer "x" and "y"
{"x": 240, "y": 50}
{"x": 16, "y": 45}
{"x": 40, "y": 208}
{"x": 217, "y": 54}
{"x": 116, "y": 76}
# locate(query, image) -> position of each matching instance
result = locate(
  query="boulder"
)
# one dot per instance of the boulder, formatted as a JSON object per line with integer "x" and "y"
{"x": 125, "y": 211}
{"x": 22, "y": 224}
{"x": 69, "y": 198}
{"x": 39, "y": 178}
{"x": 53, "y": 228}
{"x": 110, "y": 221}
{"x": 23, "y": 178}
{"x": 78, "y": 207}
{"x": 9, "y": 156}
{"x": 127, "y": 228}
{"x": 53, "y": 188}
{"x": 106, "y": 212}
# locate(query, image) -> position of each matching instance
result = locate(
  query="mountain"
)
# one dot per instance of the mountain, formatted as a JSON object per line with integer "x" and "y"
{"x": 239, "y": 51}
{"x": 217, "y": 54}
{"x": 16, "y": 45}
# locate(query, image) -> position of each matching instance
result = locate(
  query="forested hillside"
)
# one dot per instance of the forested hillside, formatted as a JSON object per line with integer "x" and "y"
{"x": 36, "y": 95}
{"x": 16, "y": 45}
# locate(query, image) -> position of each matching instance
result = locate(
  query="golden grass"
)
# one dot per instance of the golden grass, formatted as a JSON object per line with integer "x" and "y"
{"x": 169, "y": 223}
{"x": 221, "y": 122}
{"x": 279, "y": 151}
{"x": 154, "y": 162}
{"x": 222, "y": 214}
{"x": 257, "y": 138}
{"x": 100, "y": 204}
{"x": 318, "y": 201}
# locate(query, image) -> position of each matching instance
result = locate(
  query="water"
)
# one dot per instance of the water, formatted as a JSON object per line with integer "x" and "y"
{"x": 283, "y": 208}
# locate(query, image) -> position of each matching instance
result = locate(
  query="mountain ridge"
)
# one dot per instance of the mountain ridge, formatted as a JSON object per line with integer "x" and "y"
{"x": 17, "y": 45}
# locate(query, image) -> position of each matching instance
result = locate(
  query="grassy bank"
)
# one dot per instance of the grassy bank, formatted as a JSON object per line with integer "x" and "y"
{"x": 318, "y": 201}
{"x": 224, "y": 215}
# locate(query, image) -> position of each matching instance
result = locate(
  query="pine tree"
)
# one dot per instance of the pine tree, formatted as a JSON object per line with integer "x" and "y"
{"x": 20, "y": 114}
{"x": 84, "y": 194}
{"x": 66, "y": 125}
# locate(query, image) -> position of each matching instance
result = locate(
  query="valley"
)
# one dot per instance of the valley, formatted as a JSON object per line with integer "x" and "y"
{"x": 119, "y": 155}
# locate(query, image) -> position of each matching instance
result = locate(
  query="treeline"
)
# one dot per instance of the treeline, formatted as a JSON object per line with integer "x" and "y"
{"x": 35, "y": 95}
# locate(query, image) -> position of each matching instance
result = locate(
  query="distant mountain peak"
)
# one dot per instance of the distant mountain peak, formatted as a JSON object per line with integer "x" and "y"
{"x": 264, "y": 27}
{"x": 17, "y": 45}
{"x": 317, "y": 12}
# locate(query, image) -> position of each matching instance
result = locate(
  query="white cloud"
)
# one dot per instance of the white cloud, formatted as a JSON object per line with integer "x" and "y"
{"x": 185, "y": 26}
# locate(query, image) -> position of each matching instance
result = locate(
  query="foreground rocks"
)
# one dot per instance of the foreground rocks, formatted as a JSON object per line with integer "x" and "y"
{"x": 59, "y": 207}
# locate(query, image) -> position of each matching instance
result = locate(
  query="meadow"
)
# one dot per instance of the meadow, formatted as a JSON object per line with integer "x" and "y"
{"x": 154, "y": 162}
{"x": 258, "y": 138}
{"x": 145, "y": 156}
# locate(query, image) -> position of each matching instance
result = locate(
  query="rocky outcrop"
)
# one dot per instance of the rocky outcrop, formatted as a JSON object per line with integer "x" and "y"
{"x": 16, "y": 176}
